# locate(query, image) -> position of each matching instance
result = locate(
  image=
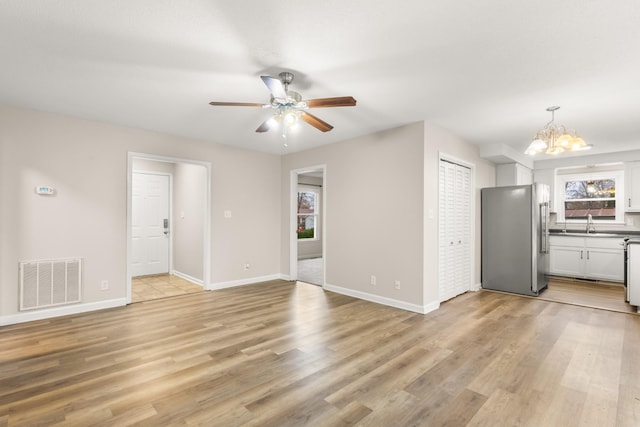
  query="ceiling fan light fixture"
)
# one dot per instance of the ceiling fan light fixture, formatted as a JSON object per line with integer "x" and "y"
{"x": 290, "y": 118}
{"x": 289, "y": 107}
{"x": 272, "y": 122}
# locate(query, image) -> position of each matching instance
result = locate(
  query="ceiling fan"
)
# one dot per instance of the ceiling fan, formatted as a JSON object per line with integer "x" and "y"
{"x": 289, "y": 106}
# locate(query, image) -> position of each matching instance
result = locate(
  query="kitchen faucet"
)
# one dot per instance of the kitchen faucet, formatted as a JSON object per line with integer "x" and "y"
{"x": 590, "y": 227}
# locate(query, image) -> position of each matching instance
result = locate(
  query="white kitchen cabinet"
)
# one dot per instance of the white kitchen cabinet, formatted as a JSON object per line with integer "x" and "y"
{"x": 566, "y": 261}
{"x": 632, "y": 186}
{"x": 513, "y": 174}
{"x": 598, "y": 258}
{"x": 547, "y": 176}
{"x": 604, "y": 264}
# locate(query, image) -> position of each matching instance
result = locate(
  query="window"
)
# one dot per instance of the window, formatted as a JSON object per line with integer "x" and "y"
{"x": 598, "y": 194}
{"x": 307, "y": 214}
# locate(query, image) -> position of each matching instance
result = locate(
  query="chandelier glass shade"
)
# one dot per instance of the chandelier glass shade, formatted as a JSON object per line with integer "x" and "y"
{"x": 555, "y": 139}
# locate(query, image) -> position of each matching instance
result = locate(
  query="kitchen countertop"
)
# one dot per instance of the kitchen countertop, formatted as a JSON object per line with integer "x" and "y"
{"x": 604, "y": 233}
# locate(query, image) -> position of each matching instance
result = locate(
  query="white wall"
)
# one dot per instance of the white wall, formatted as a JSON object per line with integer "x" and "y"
{"x": 548, "y": 169}
{"x": 594, "y": 159}
{"x": 373, "y": 197}
{"x": 87, "y": 163}
{"x": 392, "y": 178}
{"x": 377, "y": 190}
{"x": 188, "y": 219}
{"x": 146, "y": 165}
{"x": 438, "y": 141}
{"x": 188, "y": 210}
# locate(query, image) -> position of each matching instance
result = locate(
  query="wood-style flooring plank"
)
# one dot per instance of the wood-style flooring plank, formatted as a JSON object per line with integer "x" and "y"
{"x": 595, "y": 294}
{"x": 291, "y": 354}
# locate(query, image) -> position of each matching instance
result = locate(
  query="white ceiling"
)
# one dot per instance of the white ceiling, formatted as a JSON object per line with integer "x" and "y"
{"x": 485, "y": 70}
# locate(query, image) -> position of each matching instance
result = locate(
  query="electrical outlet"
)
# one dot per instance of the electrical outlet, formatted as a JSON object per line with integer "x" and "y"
{"x": 396, "y": 284}
{"x": 247, "y": 266}
{"x": 104, "y": 285}
{"x": 373, "y": 280}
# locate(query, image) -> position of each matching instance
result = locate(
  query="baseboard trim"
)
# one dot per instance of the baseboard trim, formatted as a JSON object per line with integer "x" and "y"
{"x": 29, "y": 316}
{"x": 403, "y": 305}
{"x": 242, "y": 282}
{"x": 188, "y": 278}
{"x": 476, "y": 287}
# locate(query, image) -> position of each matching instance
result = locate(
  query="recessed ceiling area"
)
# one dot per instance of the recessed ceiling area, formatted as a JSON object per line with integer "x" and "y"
{"x": 485, "y": 71}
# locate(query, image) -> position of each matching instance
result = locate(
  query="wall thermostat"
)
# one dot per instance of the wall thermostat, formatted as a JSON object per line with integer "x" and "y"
{"x": 42, "y": 189}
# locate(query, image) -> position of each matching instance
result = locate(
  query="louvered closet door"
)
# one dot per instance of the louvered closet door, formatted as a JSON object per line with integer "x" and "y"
{"x": 454, "y": 230}
{"x": 446, "y": 211}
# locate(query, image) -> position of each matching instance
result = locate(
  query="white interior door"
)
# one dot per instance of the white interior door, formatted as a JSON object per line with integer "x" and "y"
{"x": 454, "y": 199}
{"x": 149, "y": 224}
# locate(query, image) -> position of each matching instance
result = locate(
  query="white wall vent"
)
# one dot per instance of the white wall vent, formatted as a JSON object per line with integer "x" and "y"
{"x": 48, "y": 283}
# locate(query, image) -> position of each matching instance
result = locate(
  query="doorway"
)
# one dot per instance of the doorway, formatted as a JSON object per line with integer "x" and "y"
{"x": 455, "y": 225}
{"x": 308, "y": 230}
{"x": 168, "y": 223}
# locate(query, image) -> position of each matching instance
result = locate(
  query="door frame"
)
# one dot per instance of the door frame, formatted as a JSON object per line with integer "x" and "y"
{"x": 206, "y": 250}
{"x": 293, "y": 220}
{"x": 473, "y": 217}
{"x": 170, "y": 201}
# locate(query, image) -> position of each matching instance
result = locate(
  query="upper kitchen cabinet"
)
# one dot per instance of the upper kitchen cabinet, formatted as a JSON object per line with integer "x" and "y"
{"x": 632, "y": 186}
{"x": 513, "y": 174}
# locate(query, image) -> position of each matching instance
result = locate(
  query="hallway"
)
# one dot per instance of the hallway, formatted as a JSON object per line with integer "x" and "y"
{"x": 146, "y": 288}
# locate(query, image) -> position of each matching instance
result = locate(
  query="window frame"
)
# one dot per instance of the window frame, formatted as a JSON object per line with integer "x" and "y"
{"x": 561, "y": 182}
{"x": 315, "y": 214}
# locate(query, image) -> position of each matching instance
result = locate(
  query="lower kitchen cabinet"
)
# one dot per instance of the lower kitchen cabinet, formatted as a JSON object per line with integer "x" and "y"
{"x": 566, "y": 260}
{"x": 599, "y": 258}
{"x": 605, "y": 264}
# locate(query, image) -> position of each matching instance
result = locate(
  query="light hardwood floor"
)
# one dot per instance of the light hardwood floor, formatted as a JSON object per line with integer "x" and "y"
{"x": 146, "y": 288}
{"x": 603, "y": 295}
{"x": 291, "y": 354}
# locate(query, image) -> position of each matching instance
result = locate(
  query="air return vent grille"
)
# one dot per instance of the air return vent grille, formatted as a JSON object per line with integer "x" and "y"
{"x": 48, "y": 283}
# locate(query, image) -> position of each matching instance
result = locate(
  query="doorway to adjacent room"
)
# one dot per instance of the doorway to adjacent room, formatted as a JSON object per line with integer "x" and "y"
{"x": 307, "y": 238}
{"x": 168, "y": 219}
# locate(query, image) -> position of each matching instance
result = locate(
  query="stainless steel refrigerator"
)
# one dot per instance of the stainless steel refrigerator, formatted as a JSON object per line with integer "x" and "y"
{"x": 515, "y": 238}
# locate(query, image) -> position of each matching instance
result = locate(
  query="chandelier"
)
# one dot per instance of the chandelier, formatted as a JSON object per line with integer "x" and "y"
{"x": 553, "y": 139}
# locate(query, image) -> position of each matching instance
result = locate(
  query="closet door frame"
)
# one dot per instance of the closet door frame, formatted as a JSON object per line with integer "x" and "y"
{"x": 472, "y": 215}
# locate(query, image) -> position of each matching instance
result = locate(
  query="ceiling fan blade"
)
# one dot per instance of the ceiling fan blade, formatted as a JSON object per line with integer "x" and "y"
{"x": 264, "y": 127}
{"x": 275, "y": 87}
{"x": 342, "y": 101}
{"x": 316, "y": 122}
{"x": 236, "y": 104}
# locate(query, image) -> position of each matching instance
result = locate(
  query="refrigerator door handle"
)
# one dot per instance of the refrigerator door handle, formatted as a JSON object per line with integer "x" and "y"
{"x": 544, "y": 228}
